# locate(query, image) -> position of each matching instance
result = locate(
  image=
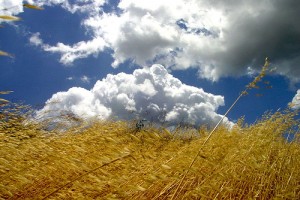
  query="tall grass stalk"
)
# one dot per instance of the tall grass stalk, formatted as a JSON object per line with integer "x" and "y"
{"x": 251, "y": 85}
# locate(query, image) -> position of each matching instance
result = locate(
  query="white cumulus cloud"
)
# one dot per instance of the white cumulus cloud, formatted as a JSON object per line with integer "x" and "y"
{"x": 295, "y": 104}
{"x": 219, "y": 38}
{"x": 151, "y": 93}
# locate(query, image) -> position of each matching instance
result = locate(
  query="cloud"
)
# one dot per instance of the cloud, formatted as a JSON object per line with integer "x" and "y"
{"x": 295, "y": 104}
{"x": 219, "y": 38}
{"x": 10, "y": 7}
{"x": 70, "y": 53}
{"x": 150, "y": 93}
{"x": 36, "y": 40}
{"x": 85, "y": 79}
{"x": 78, "y": 101}
{"x": 79, "y": 50}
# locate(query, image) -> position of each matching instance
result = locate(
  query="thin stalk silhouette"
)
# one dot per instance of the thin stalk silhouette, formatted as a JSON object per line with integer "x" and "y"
{"x": 251, "y": 85}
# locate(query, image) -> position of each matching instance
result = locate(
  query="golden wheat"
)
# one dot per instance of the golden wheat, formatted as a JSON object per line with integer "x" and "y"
{"x": 108, "y": 160}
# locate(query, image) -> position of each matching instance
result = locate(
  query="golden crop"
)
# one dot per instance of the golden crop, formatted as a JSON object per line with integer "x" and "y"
{"x": 109, "y": 160}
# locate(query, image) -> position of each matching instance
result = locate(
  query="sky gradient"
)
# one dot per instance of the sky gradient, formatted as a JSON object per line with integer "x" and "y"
{"x": 175, "y": 61}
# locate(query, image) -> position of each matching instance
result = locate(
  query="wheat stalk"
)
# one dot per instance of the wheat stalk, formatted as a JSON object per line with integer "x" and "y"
{"x": 84, "y": 174}
{"x": 251, "y": 85}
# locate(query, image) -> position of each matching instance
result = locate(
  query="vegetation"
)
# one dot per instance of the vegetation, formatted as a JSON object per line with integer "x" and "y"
{"x": 108, "y": 160}
{"x": 111, "y": 160}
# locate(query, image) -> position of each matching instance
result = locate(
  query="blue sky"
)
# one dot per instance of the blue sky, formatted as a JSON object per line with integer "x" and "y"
{"x": 216, "y": 47}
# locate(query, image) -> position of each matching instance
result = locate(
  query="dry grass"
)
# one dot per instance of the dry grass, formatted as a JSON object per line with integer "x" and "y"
{"x": 108, "y": 160}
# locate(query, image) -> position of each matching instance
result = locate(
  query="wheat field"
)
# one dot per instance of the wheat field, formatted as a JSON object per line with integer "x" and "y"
{"x": 110, "y": 160}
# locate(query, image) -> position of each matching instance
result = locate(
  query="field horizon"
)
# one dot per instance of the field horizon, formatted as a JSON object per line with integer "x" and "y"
{"x": 114, "y": 160}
